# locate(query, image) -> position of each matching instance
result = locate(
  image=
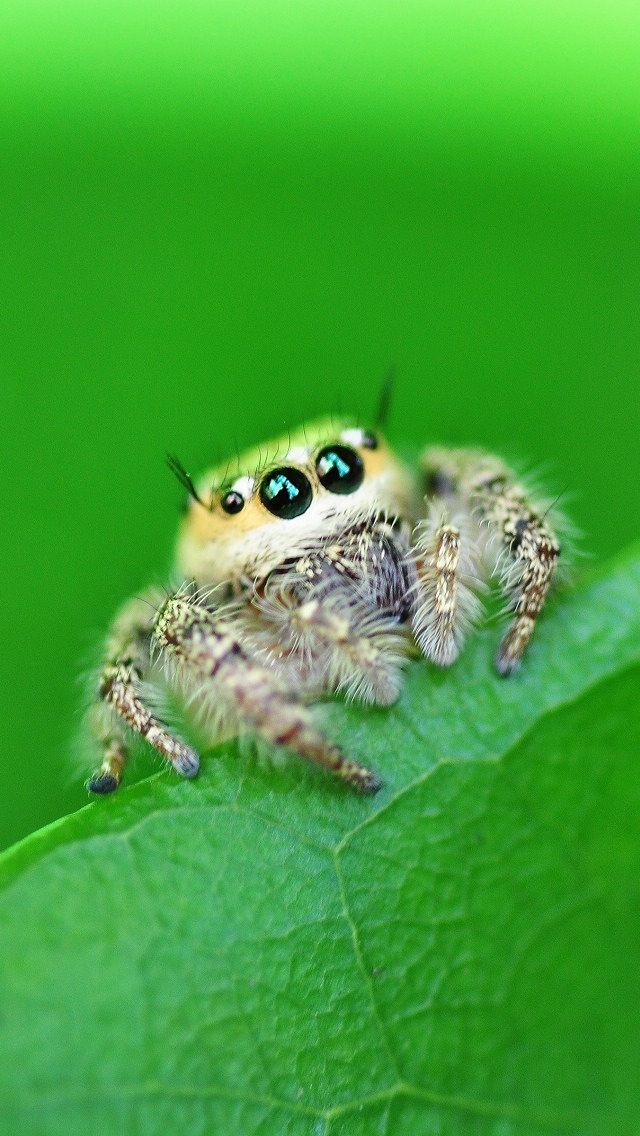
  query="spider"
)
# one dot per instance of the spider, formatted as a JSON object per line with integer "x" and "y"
{"x": 321, "y": 570}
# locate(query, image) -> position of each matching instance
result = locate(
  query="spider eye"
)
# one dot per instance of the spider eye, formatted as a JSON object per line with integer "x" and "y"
{"x": 340, "y": 469}
{"x": 232, "y": 502}
{"x": 369, "y": 440}
{"x": 286, "y": 492}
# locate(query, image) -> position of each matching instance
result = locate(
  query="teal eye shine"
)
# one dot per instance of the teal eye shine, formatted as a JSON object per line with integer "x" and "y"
{"x": 286, "y": 492}
{"x": 340, "y": 469}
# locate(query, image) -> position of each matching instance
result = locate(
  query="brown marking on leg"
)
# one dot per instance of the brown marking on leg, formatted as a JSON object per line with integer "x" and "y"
{"x": 527, "y": 558}
{"x": 127, "y": 654}
{"x": 536, "y": 554}
{"x": 207, "y": 647}
{"x": 119, "y": 688}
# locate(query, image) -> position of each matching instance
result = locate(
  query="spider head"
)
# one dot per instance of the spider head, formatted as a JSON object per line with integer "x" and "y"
{"x": 288, "y": 497}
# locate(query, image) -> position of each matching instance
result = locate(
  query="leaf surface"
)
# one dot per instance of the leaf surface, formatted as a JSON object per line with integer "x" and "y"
{"x": 261, "y": 951}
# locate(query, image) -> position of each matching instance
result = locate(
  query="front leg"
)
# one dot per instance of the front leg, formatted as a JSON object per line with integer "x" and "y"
{"x": 312, "y": 620}
{"x": 516, "y": 538}
{"x": 365, "y": 650}
{"x": 120, "y": 702}
{"x": 206, "y": 648}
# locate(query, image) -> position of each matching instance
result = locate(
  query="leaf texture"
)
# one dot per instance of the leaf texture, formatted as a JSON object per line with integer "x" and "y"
{"x": 262, "y": 952}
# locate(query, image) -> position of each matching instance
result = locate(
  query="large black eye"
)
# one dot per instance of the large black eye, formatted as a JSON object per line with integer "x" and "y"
{"x": 286, "y": 492}
{"x": 340, "y": 469}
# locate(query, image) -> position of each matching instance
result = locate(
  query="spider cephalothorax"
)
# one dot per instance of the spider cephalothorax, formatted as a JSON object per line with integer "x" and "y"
{"x": 319, "y": 566}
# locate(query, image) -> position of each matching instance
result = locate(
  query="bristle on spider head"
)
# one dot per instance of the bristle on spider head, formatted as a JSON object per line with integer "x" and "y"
{"x": 184, "y": 478}
{"x": 384, "y": 398}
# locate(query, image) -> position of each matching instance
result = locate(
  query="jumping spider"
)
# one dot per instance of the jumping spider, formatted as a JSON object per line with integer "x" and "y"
{"x": 320, "y": 572}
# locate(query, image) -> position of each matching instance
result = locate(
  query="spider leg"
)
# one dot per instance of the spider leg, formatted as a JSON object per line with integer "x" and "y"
{"x": 333, "y": 630}
{"x": 518, "y": 544}
{"x": 445, "y": 603}
{"x": 121, "y": 704}
{"x": 365, "y": 649}
{"x": 205, "y": 647}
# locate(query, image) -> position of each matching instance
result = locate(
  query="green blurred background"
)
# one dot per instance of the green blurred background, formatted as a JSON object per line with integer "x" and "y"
{"x": 220, "y": 219}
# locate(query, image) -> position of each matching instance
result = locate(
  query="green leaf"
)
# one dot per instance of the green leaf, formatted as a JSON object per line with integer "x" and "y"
{"x": 260, "y": 951}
